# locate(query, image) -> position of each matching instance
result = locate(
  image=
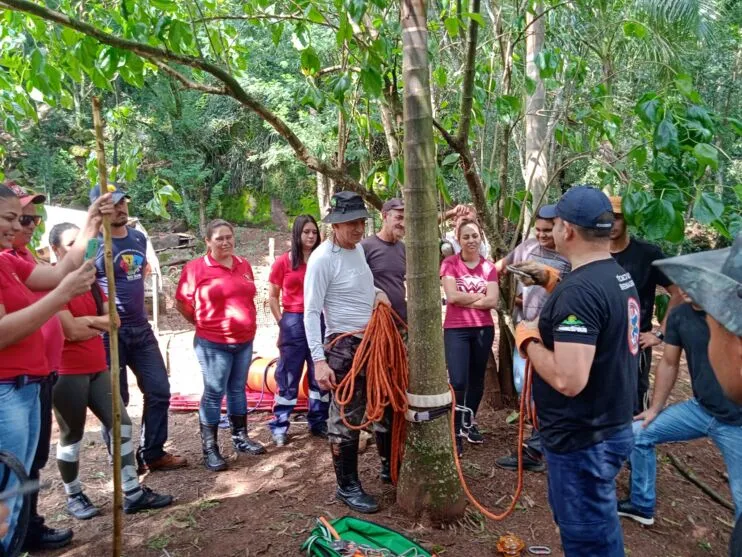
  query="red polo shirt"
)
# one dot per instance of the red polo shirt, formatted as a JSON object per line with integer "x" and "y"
{"x": 223, "y": 299}
{"x": 27, "y": 356}
{"x": 52, "y": 329}
{"x": 85, "y": 356}
{"x": 290, "y": 281}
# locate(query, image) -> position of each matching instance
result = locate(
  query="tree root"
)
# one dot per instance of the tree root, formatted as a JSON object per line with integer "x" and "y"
{"x": 689, "y": 475}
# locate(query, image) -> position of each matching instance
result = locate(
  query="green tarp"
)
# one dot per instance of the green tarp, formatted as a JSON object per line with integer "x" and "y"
{"x": 367, "y": 535}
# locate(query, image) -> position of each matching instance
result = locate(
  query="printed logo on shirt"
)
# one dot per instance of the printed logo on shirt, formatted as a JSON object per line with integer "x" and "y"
{"x": 131, "y": 263}
{"x": 634, "y": 314}
{"x": 572, "y": 325}
{"x": 471, "y": 285}
{"x": 625, "y": 281}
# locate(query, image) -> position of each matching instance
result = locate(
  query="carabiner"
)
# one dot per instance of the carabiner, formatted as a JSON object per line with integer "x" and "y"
{"x": 539, "y": 550}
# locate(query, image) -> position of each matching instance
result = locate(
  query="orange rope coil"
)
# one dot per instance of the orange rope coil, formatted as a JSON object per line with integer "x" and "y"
{"x": 383, "y": 354}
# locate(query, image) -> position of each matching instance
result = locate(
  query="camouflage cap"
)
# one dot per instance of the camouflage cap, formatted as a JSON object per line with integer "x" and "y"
{"x": 713, "y": 280}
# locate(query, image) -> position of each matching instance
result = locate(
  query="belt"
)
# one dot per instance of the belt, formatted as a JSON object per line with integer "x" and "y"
{"x": 21, "y": 381}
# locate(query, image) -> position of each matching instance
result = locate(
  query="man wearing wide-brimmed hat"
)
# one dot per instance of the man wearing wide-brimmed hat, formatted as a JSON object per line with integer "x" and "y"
{"x": 713, "y": 280}
{"x": 339, "y": 283}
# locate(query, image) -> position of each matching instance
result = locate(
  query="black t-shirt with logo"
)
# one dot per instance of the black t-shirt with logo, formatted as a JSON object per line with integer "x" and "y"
{"x": 595, "y": 304}
{"x": 687, "y": 328}
{"x": 637, "y": 259}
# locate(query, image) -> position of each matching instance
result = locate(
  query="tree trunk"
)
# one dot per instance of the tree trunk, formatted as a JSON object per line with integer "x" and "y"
{"x": 428, "y": 481}
{"x": 202, "y": 213}
{"x": 536, "y": 165}
{"x": 325, "y": 190}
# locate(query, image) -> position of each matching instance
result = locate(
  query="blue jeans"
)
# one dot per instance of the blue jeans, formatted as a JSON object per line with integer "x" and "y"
{"x": 682, "y": 422}
{"x": 139, "y": 350}
{"x": 19, "y": 435}
{"x": 224, "y": 367}
{"x": 294, "y": 351}
{"x": 582, "y": 496}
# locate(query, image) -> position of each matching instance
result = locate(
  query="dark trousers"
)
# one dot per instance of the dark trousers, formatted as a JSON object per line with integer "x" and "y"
{"x": 138, "y": 349}
{"x": 340, "y": 359}
{"x": 735, "y": 545}
{"x": 467, "y": 351}
{"x": 295, "y": 353}
{"x": 645, "y": 362}
{"x": 582, "y": 496}
{"x": 42, "y": 450}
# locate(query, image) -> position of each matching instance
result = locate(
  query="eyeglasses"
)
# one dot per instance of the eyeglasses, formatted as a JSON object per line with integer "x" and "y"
{"x": 26, "y": 220}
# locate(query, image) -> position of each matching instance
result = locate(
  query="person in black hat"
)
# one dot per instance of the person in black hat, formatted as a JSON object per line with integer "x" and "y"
{"x": 541, "y": 249}
{"x": 387, "y": 257}
{"x": 585, "y": 351}
{"x": 339, "y": 283}
{"x": 138, "y": 346}
{"x": 713, "y": 280}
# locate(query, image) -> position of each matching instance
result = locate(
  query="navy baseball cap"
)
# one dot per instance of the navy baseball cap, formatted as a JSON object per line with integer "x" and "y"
{"x": 117, "y": 196}
{"x": 584, "y": 206}
{"x": 547, "y": 212}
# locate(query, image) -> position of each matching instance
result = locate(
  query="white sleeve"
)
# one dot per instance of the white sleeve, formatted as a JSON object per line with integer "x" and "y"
{"x": 315, "y": 287}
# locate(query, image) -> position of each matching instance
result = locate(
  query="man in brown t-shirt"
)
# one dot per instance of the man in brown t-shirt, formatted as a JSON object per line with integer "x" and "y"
{"x": 387, "y": 258}
{"x": 386, "y": 255}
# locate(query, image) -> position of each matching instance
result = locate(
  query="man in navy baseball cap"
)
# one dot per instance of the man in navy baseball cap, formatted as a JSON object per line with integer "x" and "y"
{"x": 585, "y": 354}
{"x": 586, "y": 207}
{"x": 118, "y": 194}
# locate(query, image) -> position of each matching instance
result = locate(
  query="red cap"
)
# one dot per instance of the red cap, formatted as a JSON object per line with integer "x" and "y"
{"x": 26, "y": 197}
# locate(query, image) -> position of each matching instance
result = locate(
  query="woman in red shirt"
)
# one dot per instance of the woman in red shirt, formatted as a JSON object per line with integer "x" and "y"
{"x": 216, "y": 293}
{"x": 85, "y": 382}
{"x": 23, "y": 363}
{"x": 287, "y": 283}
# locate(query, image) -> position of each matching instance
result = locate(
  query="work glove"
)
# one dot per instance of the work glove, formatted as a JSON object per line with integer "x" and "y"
{"x": 538, "y": 274}
{"x": 526, "y": 332}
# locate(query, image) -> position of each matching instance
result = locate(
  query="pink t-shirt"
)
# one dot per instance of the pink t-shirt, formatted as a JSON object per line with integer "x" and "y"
{"x": 470, "y": 281}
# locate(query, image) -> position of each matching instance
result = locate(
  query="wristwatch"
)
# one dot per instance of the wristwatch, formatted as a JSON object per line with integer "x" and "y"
{"x": 660, "y": 335}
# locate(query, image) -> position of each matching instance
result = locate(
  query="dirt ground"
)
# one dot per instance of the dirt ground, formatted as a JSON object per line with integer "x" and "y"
{"x": 267, "y": 505}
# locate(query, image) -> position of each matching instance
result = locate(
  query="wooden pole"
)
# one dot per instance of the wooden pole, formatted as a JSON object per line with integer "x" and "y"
{"x": 113, "y": 337}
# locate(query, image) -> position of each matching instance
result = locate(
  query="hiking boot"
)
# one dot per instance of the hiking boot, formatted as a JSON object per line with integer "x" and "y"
{"x": 167, "y": 462}
{"x": 626, "y": 509}
{"x": 350, "y": 491}
{"x": 79, "y": 506}
{"x": 146, "y": 501}
{"x": 474, "y": 436}
{"x": 44, "y": 538}
{"x": 384, "y": 447}
{"x": 213, "y": 459}
{"x": 279, "y": 439}
{"x": 530, "y": 464}
{"x": 241, "y": 442}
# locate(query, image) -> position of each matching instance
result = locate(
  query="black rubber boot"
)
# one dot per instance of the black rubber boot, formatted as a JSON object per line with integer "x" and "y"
{"x": 384, "y": 446}
{"x": 350, "y": 491}
{"x": 240, "y": 440}
{"x": 212, "y": 458}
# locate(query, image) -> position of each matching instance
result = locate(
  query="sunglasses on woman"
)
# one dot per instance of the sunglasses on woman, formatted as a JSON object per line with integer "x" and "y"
{"x": 26, "y": 220}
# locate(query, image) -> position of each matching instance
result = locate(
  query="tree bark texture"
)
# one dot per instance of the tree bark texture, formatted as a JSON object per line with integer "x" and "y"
{"x": 536, "y": 166}
{"x": 428, "y": 481}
